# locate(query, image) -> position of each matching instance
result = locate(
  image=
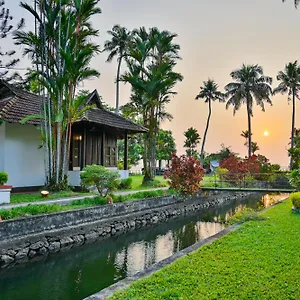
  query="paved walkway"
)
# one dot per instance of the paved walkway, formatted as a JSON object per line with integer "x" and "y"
{"x": 65, "y": 201}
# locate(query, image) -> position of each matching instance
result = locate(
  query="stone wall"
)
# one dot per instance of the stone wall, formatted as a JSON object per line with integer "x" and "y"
{"x": 83, "y": 226}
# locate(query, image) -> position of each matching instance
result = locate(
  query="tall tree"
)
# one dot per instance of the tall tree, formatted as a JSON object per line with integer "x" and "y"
{"x": 117, "y": 46}
{"x": 8, "y": 60}
{"x": 289, "y": 83}
{"x": 209, "y": 92}
{"x": 61, "y": 49}
{"x": 152, "y": 78}
{"x": 249, "y": 84}
{"x": 192, "y": 139}
{"x": 165, "y": 145}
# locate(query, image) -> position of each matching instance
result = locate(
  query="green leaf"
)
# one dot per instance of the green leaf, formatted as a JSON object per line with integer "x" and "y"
{"x": 32, "y": 117}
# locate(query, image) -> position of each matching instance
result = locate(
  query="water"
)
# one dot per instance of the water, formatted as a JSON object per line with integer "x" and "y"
{"x": 83, "y": 271}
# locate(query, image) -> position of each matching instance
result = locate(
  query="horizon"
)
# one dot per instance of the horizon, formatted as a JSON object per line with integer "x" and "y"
{"x": 209, "y": 51}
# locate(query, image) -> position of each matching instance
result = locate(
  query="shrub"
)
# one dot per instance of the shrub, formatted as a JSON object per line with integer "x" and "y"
{"x": 295, "y": 198}
{"x": 185, "y": 174}
{"x": 126, "y": 184}
{"x": 3, "y": 178}
{"x": 99, "y": 177}
{"x": 221, "y": 172}
{"x": 295, "y": 179}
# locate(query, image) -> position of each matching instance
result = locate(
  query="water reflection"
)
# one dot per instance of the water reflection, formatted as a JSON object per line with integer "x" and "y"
{"x": 88, "y": 269}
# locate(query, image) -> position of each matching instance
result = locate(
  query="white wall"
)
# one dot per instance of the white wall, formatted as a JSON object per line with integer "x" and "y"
{"x": 2, "y": 141}
{"x": 23, "y": 160}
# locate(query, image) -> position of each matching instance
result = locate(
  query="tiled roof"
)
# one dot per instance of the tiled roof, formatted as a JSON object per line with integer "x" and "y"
{"x": 16, "y": 104}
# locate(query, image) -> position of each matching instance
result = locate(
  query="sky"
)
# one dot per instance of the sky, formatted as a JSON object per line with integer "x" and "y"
{"x": 216, "y": 37}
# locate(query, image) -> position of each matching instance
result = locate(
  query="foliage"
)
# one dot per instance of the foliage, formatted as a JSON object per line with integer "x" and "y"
{"x": 295, "y": 153}
{"x": 135, "y": 149}
{"x": 60, "y": 51}
{"x": 295, "y": 179}
{"x": 118, "y": 47}
{"x": 254, "y": 148}
{"x": 7, "y": 58}
{"x": 125, "y": 184}
{"x": 3, "y": 178}
{"x": 221, "y": 172}
{"x": 295, "y": 198}
{"x": 185, "y": 174}
{"x": 249, "y": 84}
{"x": 192, "y": 139}
{"x": 209, "y": 92}
{"x": 151, "y": 60}
{"x": 165, "y": 145}
{"x": 224, "y": 153}
{"x": 290, "y": 84}
{"x": 99, "y": 177}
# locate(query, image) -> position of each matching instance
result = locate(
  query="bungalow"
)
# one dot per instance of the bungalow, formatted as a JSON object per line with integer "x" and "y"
{"x": 94, "y": 138}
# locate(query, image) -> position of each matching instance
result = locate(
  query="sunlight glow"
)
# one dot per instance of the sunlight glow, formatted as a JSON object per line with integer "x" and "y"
{"x": 266, "y": 133}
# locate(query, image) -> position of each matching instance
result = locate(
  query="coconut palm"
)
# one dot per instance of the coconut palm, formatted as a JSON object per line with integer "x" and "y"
{"x": 249, "y": 85}
{"x": 290, "y": 84}
{"x": 254, "y": 147}
{"x": 192, "y": 139}
{"x": 117, "y": 47}
{"x": 151, "y": 61}
{"x": 245, "y": 135}
{"x": 209, "y": 92}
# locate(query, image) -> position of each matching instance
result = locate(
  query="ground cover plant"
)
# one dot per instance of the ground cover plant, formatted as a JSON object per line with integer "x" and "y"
{"x": 33, "y": 197}
{"x": 259, "y": 261}
{"x": 38, "y": 209}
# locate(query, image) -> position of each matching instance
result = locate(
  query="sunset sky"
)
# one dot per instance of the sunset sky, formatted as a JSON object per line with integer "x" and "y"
{"x": 216, "y": 37}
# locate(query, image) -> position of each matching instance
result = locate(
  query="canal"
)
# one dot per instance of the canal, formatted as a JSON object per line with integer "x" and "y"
{"x": 85, "y": 270}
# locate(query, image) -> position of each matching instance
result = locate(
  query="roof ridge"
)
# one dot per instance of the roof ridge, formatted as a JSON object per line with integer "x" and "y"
{"x": 8, "y": 105}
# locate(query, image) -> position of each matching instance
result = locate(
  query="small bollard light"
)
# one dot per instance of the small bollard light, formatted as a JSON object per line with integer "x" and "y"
{"x": 44, "y": 194}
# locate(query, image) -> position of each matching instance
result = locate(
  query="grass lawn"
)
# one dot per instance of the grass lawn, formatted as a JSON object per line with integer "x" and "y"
{"x": 261, "y": 260}
{"x": 137, "y": 181}
{"x": 39, "y": 209}
{"x": 32, "y": 197}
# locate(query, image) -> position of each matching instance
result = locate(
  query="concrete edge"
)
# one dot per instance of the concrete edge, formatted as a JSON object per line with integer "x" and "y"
{"x": 126, "y": 282}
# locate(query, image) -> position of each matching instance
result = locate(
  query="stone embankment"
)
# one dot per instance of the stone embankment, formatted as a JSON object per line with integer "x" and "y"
{"x": 31, "y": 238}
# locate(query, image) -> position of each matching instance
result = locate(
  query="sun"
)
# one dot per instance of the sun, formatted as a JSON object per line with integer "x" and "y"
{"x": 266, "y": 133}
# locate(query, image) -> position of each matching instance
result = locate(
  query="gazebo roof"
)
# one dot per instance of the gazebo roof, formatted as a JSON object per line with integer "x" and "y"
{"x": 17, "y": 104}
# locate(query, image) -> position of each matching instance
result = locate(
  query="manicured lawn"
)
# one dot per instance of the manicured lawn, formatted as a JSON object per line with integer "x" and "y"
{"x": 137, "y": 181}
{"x": 32, "y": 197}
{"x": 261, "y": 260}
{"x": 39, "y": 209}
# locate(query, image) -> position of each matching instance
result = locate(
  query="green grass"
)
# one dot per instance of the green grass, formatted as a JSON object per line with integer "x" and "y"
{"x": 261, "y": 260}
{"x": 39, "y": 209}
{"x": 32, "y": 197}
{"x": 137, "y": 181}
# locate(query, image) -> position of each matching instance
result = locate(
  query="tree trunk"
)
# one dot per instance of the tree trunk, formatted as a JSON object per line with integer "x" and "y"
{"x": 249, "y": 129}
{"x": 293, "y": 127}
{"x": 118, "y": 84}
{"x": 159, "y": 164}
{"x": 205, "y": 133}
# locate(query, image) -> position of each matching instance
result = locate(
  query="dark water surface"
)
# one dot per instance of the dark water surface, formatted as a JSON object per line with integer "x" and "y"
{"x": 83, "y": 271}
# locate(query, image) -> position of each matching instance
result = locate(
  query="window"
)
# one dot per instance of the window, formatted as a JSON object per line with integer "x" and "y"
{"x": 110, "y": 151}
{"x": 76, "y": 152}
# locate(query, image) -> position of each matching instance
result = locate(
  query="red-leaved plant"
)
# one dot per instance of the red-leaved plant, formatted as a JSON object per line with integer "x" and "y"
{"x": 184, "y": 174}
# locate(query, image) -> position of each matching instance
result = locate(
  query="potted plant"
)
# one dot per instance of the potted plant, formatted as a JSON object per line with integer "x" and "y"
{"x": 4, "y": 189}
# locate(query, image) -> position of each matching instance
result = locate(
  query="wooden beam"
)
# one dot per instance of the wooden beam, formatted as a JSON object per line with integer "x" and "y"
{"x": 103, "y": 147}
{"x": 83, "y": 158}
{"x": 126, "y": 151}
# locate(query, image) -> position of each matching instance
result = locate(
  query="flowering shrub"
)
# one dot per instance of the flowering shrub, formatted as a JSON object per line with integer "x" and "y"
{"x": 184, "y": 174}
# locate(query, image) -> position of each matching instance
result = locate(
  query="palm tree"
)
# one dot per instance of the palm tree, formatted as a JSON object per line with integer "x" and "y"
{"x": 290, "y": 84}
{"x": 209, "y": 92}
{"x": 254, "y": 147}
{"x": 249, "y": 84}
{"x": 117, "y": 46}
{"x": 245, "y": 135}
{"x": 296, "y": 2}
{"x": 192, "y": 139}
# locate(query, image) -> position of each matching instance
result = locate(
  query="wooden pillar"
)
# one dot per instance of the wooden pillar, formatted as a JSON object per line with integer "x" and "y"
{"x": 83, "y": 149}
{"x": 126, "y": 151}
{"x": 103, "y": 147}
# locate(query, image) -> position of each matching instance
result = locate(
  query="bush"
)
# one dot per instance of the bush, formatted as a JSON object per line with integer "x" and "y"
{"x": 185, "y": 174}
{"x": 126, "y": 184}
{"x": 3, "y": 178}
{"x": 295, "y": 198}
{"x": 99, "y": 177}
{"x": 295, "y": 179}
